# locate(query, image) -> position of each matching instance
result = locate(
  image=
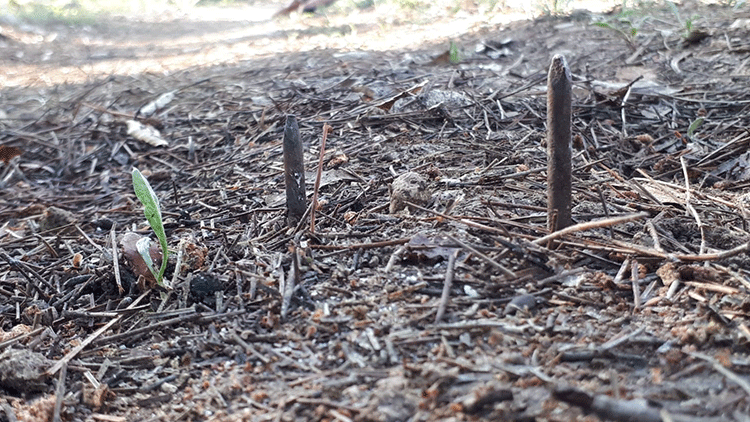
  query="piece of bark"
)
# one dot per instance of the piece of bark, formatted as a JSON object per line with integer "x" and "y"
{"x": 294, "y": 172}
{"x": 559, "y": 154}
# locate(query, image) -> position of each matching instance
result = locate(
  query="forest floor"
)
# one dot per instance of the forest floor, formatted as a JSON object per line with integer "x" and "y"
{"x": 459, "y": 306}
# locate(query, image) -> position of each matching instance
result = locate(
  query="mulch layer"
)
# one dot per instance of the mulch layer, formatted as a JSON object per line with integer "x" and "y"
{"x": 455, "y": 303}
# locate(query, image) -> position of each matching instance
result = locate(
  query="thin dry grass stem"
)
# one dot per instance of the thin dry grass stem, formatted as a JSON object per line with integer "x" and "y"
{"x": 646, "y": 251}
{"x": 691, "y": 210}
{"x": 654, "y": 235}
{"x": 445, "y": 296}
{"x": 115, "y": 259}
{"x": 326, "y": 129}
{"x": 621, "y": 272}
{"x": 622, "y": 111}
{"x": 60, "y": 393}
{"x": 484, "y": 257}
{"x": 370, "y": 245}
{"x": 723, "y": 370}
{"x": 704, "y": 195}
{"x": 462, "y": 220}
{"x": 634, "y": 277}
{"x": 73, "y": 353}
{"x": 288, "y": 284}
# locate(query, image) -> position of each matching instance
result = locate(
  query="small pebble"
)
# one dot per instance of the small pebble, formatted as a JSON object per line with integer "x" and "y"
{"x": 525, "y": 303}
{"x": 409, "y": 187}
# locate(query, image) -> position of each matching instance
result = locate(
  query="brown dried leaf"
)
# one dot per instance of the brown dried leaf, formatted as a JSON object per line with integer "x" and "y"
{"x": 137, "y": 264}
{"x": 430, "y": 249}
{"x": 145, "y": 133}
{"x": 7, "y": 153}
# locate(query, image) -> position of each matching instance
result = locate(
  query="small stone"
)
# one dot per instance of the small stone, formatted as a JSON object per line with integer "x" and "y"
{"x": 203, "y": 287}
{"x": 54, "y": 217}
{"x": 409, "y": 187}
{"x": 524, "y": 303}
{"x": 23, "y": 370}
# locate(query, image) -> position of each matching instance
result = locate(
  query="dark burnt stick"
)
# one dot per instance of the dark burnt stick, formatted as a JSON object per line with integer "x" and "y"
{"x": 294, "y": 172}
{"x": 559, "y": 154}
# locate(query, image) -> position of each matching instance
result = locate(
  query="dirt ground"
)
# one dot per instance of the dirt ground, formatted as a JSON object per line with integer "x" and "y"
{"x": 458, "y": 304}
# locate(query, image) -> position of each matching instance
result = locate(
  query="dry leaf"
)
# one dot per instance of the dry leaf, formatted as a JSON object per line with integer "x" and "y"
{"x": 145, "y": 133}
{"x": 137, "y": 264}
{"x": 157, "y": 104}
{"x": 7, "y": 153}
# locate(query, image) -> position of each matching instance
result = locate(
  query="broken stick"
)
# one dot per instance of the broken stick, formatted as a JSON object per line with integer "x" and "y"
{"x": 294, "y": 172}
{"x": 559, "y": 154}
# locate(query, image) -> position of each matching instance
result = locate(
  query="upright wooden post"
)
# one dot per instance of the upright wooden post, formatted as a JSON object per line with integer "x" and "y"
{"x": 559, "y": 154}
{"x": 294, "y": 172}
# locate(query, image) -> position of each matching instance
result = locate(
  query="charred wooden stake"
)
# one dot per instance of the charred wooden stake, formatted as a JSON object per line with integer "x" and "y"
{"x": 559, "y": 166}
{"x": 294, "y": 172}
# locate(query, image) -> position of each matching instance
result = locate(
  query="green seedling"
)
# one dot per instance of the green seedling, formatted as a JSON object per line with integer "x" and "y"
{"x": 688, "y": 25}
{"x": 694, "y": 126}
{"x": 151, "y": 210}
{"x": 454, "y": 54}
{"x": 624, "y": 28}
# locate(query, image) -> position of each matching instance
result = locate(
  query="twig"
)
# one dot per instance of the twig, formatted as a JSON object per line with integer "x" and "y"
{"x": 654, "y": 235}
{"x": 606, "y": 222}
{"x": 178, "y": 263}
{"x": 690, "y": 208}
{"x": 9, "y": 413}
{"x": 446, "y": 286}
{"x": 608, "y": 408}
{"x": 636, "y": 286}
{"x": 621, "y": 272}
{"x": 326, "y": 129}
{"x": 76, "y": 350}
{"x": 484, "y": 257}
{"x": 115, "y": 259}
{"x": 688, "y": 258}
{"x": 620, "y": 340}
{"x": 249, "y": 348}
{"x": 23, "y": 269}
{"x": 605, "y": 208}
{"x": 559, "y": 154}
{"x": 150, "y": 327}
{"x": 392, "y": 260}
{"x": 60, "y": 393}
{"x": 622, "y": 110}
{"x": 292, "y": 280}
{"x": 469, "y": 223}
{"x": 16, "y": 339}
{"x": 724, "y": 371}
{"x": 372, "y": 245}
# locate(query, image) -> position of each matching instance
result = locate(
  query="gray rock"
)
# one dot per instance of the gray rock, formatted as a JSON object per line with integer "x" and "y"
{"x": 23, "y": 370}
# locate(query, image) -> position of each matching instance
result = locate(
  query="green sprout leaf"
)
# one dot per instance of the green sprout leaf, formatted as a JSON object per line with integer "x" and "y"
{"x": 694, "y": 126}
{"x": 151, "y": 210}
{"x": 455, "y": 55}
